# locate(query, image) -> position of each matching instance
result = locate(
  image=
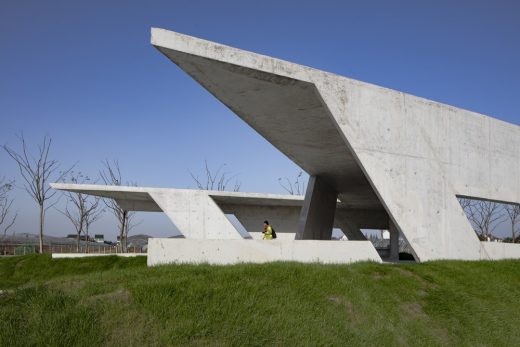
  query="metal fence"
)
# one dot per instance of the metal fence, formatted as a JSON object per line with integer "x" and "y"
{"x": 23, "y": 249}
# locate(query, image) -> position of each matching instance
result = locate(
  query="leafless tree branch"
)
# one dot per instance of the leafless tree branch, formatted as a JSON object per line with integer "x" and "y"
{"x": 293, "y": 188}
{"x": 36, "y": 171}
{"x": 513, "y": 213}
{"x": 217, "y": 180}
{"x": 111, "y": 175}
{"x": 485, "y": 216}
{"x": 7, "y": 219}
{"x": 81, "y": 210}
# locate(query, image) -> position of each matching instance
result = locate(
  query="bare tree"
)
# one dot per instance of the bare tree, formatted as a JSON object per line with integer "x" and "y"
{"x": 81, "y": 210}
{"x": 294, "y": 188}
{"x": 466, "y": 204}
{"x": 7, "y": 219}
{"x": 92, "y": 214}
{"x": 217, "y": 180}
{"x": 111, "y": 175}
{"x": 73, "y": 214}
{"x": 36, "y": 171}
{"x": 513, "y": 212}
{"x": 485, "y": 216}
{"x": 129, "y": 225}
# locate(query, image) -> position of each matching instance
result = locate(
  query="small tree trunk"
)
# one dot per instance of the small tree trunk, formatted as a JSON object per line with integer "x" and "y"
{"x": 86, "y": 239}
{"x": 126, "y": 237}
{"x": 513, "y": 231}
{"x": 42, "y": 211}
{"x": 122, "y": 231}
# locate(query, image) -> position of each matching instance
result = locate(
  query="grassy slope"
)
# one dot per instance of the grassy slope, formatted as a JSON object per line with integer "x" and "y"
{"x": 118, "y": 301}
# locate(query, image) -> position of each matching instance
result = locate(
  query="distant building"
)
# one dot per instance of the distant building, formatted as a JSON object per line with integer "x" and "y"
{"x": 75, "y": 236}
{"x": 99, "y": 238}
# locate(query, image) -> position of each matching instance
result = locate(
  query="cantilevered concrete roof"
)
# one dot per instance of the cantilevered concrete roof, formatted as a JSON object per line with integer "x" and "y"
{"x": 284, "y": 108}
{"x": 139, "y": 199}
{"x": 187, "y": 207}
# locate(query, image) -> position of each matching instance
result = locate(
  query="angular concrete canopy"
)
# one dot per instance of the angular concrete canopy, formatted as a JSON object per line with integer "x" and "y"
{"x": 380, "y": 150}
{"x": 288, "y": 112}
{"x": 200, "y": 214}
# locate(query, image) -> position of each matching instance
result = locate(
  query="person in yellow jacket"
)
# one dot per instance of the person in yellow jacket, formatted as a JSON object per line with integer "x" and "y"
{"x": 268, "y": 231}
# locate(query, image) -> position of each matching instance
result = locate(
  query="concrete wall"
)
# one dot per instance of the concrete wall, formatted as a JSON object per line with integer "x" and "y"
{"x": 165, "y": 251}
{"x": 88, "y": 255}
{"x": 283, "y": 218}
{"x": 405, "y": 148}
{"x": 500, "y": 250}
{"x": 279, "y": 236}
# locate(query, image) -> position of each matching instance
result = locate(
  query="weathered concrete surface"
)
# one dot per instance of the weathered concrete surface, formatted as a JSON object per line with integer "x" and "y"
{"x": 165, "y": 251}
{"x": 317, "y": 214}
{"x": 380, "y": 149}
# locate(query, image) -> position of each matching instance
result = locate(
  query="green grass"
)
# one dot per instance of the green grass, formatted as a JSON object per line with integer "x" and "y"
{"x": 120, "y": 302}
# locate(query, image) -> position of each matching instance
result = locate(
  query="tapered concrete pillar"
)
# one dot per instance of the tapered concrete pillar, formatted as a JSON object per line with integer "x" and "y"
{"x": 394, "y": 242}
{"x": 350, "y": 229}
{"x": 195, "y": 214}
{"x": 317, "y": 214}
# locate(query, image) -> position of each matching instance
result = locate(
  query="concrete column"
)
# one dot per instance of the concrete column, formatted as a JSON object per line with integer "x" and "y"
{"x": 317, "y": 214}
{"x": 394, "y": 242}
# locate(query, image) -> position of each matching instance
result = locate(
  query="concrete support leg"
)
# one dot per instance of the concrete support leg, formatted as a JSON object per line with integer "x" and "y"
{"x": 353, "y": 233}
{"x": 317, "y": 214}
{"x": 349, "y": 227}
{"x": 394, "y": 242}
{"x": 195, "y": 214}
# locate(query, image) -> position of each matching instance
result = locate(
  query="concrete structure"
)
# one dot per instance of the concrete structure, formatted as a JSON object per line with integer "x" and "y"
{"x": 382, "y": 152}
{"x": 201, "y": 214}
{"x": 394, "y": 161}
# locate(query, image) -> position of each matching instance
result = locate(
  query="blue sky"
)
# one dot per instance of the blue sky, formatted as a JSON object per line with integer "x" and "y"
{"x": 85, "y": 73}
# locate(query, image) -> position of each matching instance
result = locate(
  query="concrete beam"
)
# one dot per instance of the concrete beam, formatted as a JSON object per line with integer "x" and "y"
{"x": 317, "y": 214}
